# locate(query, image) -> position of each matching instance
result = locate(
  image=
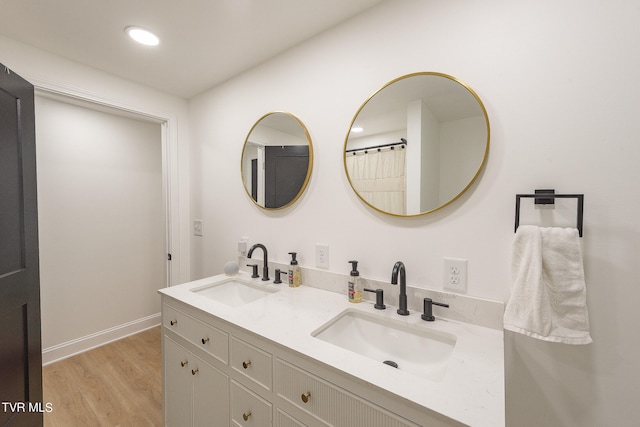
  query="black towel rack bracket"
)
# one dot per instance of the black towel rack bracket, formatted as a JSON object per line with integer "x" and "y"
{"x": 547, "y": 197}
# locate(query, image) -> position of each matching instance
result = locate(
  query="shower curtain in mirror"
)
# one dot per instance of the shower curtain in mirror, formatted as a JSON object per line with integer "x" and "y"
{"x": 379, "y": 178}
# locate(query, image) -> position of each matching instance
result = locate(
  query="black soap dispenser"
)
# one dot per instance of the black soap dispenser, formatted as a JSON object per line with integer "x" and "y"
{"x": 355, "y": 283}
{"x": 295, "y": 275}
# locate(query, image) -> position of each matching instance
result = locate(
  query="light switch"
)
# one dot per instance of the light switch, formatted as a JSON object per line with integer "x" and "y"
{"x": 197, "y": 227}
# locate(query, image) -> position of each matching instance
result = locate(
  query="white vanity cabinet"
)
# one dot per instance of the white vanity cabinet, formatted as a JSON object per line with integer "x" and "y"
{"x": 198, "y": 393}
{"x": 262, "y": 362}
{"x": 195, "y": 392}
{"x": 219, "y": 374}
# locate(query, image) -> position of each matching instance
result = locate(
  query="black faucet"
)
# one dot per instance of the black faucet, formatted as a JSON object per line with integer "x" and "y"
{"x": 402, "y": 299}
{"x": 265, "y": 268}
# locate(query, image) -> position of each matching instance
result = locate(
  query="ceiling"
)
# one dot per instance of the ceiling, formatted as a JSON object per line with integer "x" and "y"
{"x": 203, "y": 42}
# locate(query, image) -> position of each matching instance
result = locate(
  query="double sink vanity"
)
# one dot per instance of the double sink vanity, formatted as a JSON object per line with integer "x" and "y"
{"x": 245, "y": 352}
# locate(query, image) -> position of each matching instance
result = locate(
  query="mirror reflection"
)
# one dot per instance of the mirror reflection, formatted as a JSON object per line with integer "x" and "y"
{"x": 417, "y": 144}
{"x": 276, "y": 160}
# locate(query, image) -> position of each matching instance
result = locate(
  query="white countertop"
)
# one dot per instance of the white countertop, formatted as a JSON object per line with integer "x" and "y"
{"x": 471, "y": 391}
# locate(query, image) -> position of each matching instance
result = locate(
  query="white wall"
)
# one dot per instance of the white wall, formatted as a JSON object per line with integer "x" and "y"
{"x": 422, "y": 159}
{"x": 101, "y": 220}
{"x": 559, "y": 81}
{"x": 463, "y": 143}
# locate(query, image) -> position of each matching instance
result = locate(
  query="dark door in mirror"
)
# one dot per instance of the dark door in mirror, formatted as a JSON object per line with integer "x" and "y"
{"x": 285, "y": 173}
{"x": 254, "y": 179}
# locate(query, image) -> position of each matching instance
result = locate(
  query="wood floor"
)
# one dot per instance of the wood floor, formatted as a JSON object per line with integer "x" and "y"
{"x": 118, "y": 384}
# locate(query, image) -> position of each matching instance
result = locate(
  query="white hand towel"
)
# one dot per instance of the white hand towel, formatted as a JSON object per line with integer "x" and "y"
{"x": 548, "y": 298}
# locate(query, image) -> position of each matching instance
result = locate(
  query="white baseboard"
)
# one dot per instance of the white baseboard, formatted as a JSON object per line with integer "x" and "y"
{"x": 80, "y": 345}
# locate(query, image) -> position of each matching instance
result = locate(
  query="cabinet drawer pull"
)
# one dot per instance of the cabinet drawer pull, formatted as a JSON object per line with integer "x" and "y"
{"x": 246, "y": 415}
{"x": 246, "y": 364}
{"x": 194, "y": 371}
{"x": 205, "y": 340}
{"x": 173, "y": 322}
{"x": 184, "y": 363}
{"x": 305, "y": 396}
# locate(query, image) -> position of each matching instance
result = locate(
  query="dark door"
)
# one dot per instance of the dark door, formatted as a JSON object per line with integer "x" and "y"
{"x": 254, "y": 179}
{"x": 20, "y": 346}
{"x": 285, "y": 171}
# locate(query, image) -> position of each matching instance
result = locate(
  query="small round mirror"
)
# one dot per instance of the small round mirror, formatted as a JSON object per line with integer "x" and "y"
{"x": 276, "y": 160}
{"x": 417, "y": 144}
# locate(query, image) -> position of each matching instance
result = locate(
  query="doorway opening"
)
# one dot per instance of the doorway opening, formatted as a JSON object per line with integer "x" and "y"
{"x": 104, "y": 219}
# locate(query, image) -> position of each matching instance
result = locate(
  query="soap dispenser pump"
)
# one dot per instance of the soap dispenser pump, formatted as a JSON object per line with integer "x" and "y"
{"x": 295, "y": 275}
{"x": 355, "y": 283}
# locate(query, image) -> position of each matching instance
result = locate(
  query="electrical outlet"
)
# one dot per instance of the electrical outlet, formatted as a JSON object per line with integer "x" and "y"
{"x": 454, "y": 274}
{"x": 322, "y": 256}
{"x": 197, "y": 227}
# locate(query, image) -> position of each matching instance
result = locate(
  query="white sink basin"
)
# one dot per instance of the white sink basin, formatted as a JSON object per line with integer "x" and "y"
{"x": 416, "y": 349}
{"x": 233, "y": 292}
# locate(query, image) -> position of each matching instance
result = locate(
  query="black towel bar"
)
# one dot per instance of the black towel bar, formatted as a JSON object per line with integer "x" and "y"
{"x": 547, "y": 197}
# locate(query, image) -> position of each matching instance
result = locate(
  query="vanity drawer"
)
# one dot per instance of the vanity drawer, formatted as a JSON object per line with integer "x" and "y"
{"x": 211, "y": 339}
{"x": 285, "y": 420}
{"x": 252, "y": 362}
{"x": 248, "y": 409}
{"x": 328, "y": 403}
{"x": 206, "y": 337}
{"x": 174, "y": 320}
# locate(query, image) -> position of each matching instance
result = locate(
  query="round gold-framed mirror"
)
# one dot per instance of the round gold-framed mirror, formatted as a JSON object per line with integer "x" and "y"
{"x": 417, "y": 144}
{"x": 277, "y": 159}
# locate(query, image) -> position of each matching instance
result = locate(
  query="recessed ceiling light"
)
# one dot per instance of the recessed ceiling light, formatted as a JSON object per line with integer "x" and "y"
{"x": 142, "y": 36}
{"x": 357, "y": 129}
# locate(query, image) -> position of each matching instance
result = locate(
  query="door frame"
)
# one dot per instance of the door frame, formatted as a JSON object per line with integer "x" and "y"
{"x": 169, "y": 141}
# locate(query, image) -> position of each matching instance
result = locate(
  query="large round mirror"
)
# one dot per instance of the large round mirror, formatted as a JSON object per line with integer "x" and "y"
{"x": 276, "y": 160}
{"x": 416, "y": 144}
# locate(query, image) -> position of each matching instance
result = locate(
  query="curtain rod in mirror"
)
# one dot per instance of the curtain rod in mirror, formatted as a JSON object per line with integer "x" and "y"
{"x": 402, "y": 142}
